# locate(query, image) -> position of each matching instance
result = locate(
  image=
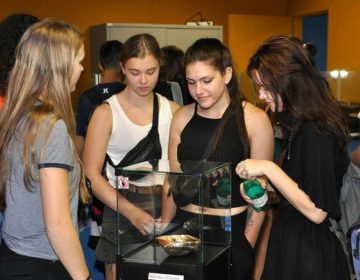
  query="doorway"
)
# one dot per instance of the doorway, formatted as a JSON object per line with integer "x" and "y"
{"x": 315, "y": 30}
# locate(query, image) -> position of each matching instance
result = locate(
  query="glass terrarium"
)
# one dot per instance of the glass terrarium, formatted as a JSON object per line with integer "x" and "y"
{"x": 180, "y": 216}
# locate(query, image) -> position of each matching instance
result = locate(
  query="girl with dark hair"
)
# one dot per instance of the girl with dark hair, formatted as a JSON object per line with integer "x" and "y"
{"x": 244, "y": 132}
{"x": 301, "y": 245}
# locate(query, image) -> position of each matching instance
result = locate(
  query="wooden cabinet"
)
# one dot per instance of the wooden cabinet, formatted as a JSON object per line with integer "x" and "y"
{"x": 181, "y": 36}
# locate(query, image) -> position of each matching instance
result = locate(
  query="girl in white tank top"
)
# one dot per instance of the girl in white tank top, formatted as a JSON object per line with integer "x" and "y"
{"x": 115, "y": 128}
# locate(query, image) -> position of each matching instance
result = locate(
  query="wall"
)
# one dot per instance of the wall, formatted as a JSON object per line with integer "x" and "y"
{"x": 343, "y": 43}
{"x": 343, "y": 18}
{"x": 246, "y": 33}
{"x": 91, "y": 12}
{"x": 308, "y": 7}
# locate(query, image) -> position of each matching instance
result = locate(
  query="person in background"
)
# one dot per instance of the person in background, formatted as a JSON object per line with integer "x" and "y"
{"x": 111, "y": 83}
{"x": 115, "y": 128}
{"x": 11, "y": 30}
{"x": 40, "y": 168}
{"x": 171, "y": 77}
{"x": 301, "y": 245}
{"x": 244, "y": 132}
{"x": 172, "y": 68}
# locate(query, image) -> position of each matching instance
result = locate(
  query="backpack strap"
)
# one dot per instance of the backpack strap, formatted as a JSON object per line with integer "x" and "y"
{"x": 176, "y": 92}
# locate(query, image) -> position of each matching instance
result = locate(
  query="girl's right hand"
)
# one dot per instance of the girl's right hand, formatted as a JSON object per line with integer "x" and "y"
{"x": 144, "y": 222}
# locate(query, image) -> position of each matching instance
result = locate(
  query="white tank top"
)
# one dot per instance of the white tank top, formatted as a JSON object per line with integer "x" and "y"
{"x": 125, "y": 134}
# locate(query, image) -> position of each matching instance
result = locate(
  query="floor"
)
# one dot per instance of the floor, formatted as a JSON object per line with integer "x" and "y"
{"x": 90, "y": 255}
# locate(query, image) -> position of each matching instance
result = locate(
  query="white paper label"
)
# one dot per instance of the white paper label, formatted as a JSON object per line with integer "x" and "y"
{"x": 261, "y": 201}
{"x": 161, "y": 276}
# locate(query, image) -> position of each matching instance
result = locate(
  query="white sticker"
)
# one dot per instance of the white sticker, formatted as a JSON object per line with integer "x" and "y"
{"x": 123, "y": 182}
{"x": 161, "y": 276}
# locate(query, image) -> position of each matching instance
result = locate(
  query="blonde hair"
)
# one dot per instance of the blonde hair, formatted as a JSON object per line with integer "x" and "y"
{"x": 43, "y": 69}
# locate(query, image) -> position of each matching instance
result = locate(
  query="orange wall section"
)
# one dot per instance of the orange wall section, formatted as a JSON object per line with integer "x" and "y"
{"x": 343, "y": 20}
{"x": 343, "y": 41}
{"x": 343, "y": 45}
{"x": 344, "y": 37}
{"x": 246, "y": 33}
{"x": 87, "y": 13}
{"x": 307, "y": 7}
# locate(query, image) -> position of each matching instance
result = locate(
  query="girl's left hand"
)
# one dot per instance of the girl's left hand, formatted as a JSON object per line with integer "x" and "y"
{"x": 251, "y": 168}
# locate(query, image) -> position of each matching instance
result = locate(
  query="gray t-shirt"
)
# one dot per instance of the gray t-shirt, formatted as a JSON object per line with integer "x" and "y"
{"x": 24, "y": 229}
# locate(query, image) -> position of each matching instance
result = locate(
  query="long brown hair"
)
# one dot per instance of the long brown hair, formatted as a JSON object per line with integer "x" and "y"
{"x": 286, "y": 69}
{"x": 43, "y": 69}
{"x": 213, "y": 52}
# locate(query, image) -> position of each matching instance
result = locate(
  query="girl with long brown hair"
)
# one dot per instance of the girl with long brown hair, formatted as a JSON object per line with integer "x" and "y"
{"x": 301, "y": 245}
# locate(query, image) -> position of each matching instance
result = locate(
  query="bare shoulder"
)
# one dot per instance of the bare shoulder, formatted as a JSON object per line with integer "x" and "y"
{"x": 174, "y": 106}
{"x": 260, "y": 132}
{"x": 183, "y": 115}
{"x": 256, "y": 120}
{"x": 186, "y": 111}
{"x": 254, "y": 115}
{"x": 102, "y": 115}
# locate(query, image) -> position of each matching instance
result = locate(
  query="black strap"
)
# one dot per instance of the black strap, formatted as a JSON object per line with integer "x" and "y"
{"x": 155, "y": 121}
{"x": 210, "y": 146}
{"x": 286, "y": 152}
{"x": 155, "y": 112}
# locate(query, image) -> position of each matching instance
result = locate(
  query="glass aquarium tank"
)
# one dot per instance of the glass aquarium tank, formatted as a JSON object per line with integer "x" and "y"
{"x": 182, "y": 228}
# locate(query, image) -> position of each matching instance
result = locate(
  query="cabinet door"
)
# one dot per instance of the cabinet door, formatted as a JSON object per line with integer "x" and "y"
{"x": 122, "y": 33}
{"x": 184, "y": 37}
{"x": 181, "y": 36}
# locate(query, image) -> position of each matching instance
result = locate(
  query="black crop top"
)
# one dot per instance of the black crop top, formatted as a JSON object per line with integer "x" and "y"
{"x": 195, "y": 137}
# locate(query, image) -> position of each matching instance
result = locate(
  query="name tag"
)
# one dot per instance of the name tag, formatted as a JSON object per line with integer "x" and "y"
{"x": 161, "y": 276}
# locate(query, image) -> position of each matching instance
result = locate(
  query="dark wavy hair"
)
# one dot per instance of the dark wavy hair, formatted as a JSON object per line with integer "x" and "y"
{"x": 11, "y": 30}
{"x": 110, "y": 54}
{"x": 213, "y": 52}
{"x": 172, "y": 68}
{"x": 286, "y": 68}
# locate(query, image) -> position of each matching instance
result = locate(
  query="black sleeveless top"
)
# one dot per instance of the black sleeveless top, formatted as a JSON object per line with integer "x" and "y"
{"x": 195, "y": 137}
